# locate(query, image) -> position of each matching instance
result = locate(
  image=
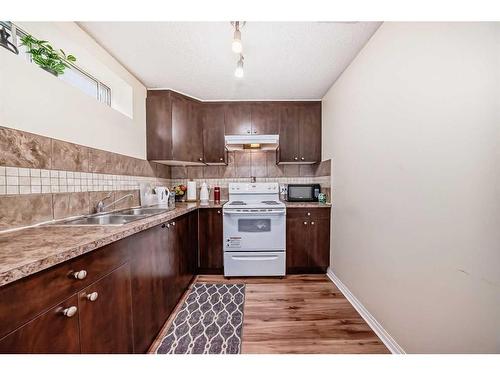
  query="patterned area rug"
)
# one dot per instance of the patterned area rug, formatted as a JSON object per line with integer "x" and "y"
{"x": 209, "y": 322}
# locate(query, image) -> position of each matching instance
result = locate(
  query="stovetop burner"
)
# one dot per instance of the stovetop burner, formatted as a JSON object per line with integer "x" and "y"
{"x": 270, "y": 203}
{"x": 237, "y": 203}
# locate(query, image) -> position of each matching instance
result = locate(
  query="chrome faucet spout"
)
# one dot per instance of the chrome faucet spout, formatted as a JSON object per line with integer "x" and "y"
{"x": 101, "y": 207}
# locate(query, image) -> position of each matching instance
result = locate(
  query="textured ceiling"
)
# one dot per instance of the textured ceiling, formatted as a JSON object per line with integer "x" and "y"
{"x": 283, "y": 60}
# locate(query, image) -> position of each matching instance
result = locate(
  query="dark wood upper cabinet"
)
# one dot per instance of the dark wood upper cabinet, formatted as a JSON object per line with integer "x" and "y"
{"x": 265, "y": 117}
{"x": 300, "y": 133}
{"x": 49, "y": 333}
{"x": 238, "y": 118}
{"x": 173, "y": 131}
{"x": 211, "y": 118}
{"x": 106, "y": 314}
{"x": 310, "y": 132}
{"x": 210, "y": 246}
{"x": 289, "y": 133}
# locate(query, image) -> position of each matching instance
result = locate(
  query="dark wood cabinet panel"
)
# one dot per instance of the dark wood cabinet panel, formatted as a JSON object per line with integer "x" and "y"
{"x": 151, "y": 274}
{"x": 210, "y": 249}
{"x": 310, "y": 132}
{"x": 238, "y": 118}
{"x": 159, "y": 125}
{"x": 187, "y": 141}
{"x": 106, "y": 314}
{"x": 50, "y": 332}
{"x": 265, "y": 117}
{"x": 211, "y": 118}
{"x": 307, "y": 240}
{"x": 300, "y": 133}
{"x": 289, "y": 133}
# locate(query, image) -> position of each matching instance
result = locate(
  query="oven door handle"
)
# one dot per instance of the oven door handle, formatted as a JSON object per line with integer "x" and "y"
{"x": 253, "y": 257}
{"x": 273, "y": 213}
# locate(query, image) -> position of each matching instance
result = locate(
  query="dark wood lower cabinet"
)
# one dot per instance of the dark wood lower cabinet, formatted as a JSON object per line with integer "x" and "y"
{"x": 106, "y": 314}
{"x": 50, "y": 332}
{"x": 131, "y": 288}
{"x": 307, "y": 240}
{"x": 210, "y": 247}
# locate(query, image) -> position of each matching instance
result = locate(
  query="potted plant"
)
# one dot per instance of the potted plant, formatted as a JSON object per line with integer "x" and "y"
{"x": 44, "y": 55}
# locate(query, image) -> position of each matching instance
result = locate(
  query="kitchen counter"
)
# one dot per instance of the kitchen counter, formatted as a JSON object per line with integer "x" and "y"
{"x": 27, "y": 251}
{"x": 306, "y": 205}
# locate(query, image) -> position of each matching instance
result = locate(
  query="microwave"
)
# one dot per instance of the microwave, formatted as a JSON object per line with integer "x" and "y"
{"x": 303, "y": 192}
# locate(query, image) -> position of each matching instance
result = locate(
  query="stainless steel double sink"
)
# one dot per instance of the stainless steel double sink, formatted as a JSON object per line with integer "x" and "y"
{"x": 114, "y": 218}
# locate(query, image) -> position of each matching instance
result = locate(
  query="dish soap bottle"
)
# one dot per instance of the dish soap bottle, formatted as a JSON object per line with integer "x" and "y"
{"x": 204, "y": 194}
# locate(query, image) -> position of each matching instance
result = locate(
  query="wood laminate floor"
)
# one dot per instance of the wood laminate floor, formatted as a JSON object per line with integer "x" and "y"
{"x": 297, "y": 314}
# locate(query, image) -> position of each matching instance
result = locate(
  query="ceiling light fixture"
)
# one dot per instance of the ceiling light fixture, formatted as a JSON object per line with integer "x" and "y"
{"x": 237, "y": 46}
{"x": 239, "y": 68}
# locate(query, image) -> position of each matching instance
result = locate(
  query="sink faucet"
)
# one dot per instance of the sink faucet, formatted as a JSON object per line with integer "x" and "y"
{"x": 101, "y": 207}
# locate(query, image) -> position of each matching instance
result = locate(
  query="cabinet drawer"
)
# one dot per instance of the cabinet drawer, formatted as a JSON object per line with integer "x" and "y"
{"x": 308, "y": 213}
{"x": 23, "y": 300}
{"x": 50, "y": 332}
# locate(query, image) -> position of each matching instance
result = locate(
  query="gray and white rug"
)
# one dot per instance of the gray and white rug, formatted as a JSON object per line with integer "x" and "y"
{"x": 209, "y": 322}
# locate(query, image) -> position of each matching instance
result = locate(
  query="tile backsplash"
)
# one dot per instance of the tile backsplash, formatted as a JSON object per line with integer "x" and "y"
{"x": 42, "y": 179}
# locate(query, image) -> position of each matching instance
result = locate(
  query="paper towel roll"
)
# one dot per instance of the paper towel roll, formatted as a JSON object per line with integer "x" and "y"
{"x": 191, "y": 191}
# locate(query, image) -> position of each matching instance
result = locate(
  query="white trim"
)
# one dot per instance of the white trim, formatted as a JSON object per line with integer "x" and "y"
{"x": 386, "y": 338}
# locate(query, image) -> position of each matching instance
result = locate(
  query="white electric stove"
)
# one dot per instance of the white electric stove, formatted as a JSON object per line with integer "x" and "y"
{"x": 254, "y": 230}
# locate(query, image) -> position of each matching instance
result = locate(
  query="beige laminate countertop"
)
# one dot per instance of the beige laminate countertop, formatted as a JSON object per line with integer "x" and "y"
{"x": 27, "y": 251}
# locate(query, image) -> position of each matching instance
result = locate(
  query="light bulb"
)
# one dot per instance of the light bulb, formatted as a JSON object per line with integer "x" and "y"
{"x": 237, "y": 46}
{"x": 239, "y": 68}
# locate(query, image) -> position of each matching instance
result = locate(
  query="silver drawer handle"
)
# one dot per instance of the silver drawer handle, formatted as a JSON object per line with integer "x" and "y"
{"x": 272, "y": 257}
{"x": 80, "y": 275}
{"x": 70, "y": 311}
{"x": 305, "y": 222}
{"x": 312, "y": 222}
{"x": 308, "y": 214}
{"x": 92, "y": 296}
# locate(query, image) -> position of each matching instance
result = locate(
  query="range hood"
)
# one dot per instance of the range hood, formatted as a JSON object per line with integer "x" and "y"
{"x": 265, "y": 142}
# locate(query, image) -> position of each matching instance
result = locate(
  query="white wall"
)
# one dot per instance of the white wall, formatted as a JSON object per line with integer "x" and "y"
{"x": 413, "y": 130}
{"x": 35, "y": 101}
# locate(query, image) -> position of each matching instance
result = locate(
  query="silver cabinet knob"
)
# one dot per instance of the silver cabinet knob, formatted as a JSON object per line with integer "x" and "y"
{"x": 70, "y": 311}
{"x": 255, "y": 132}
{"x": 221, "y": 159}
{"x": 80, "y": 275}
{"x": 168, "y": 225}
{"x": 308, "y": 214}
{"x": 173, "y": 223}
{"x": 312, "y": 222}
{"x": 295, "y": 158}
{"x": 92, "y": 296}
{"x": 305, "y": 222}
{"x": 302, "y": 158}
{"x": 200, "y": 159}
{"x": 218, "y": 211}
{"x": 248, "y": 131}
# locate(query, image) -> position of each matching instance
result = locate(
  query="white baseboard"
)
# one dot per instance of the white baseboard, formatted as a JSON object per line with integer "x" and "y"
{"x": 387, "y": 339}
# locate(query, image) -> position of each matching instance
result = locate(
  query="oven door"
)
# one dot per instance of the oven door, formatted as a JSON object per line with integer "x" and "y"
{"x": 254, "y": 231}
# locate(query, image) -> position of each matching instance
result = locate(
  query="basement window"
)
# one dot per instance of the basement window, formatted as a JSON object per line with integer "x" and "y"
{"x": 75, "y": 76}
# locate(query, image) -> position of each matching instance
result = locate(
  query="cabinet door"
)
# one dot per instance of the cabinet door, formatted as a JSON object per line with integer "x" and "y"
{"x": 237, "y": 119}
{"x": 159, "y": 125}
{"x": 289, "y": 133}
{"x": 265, "y": 118}
{"x": 319, "y": 244}
{"x": 106, "y": 314}
{"x": 150, "y": 292}
{"x": 187, "y": 142}
{"x": 184, "y": 249}
{"x": 211, "y": 117}
{"x": 50, "y": 332}
{"x": 210, "y": 256}
{"x": 297, "y": 230}
{"x": 310, "y": 132}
